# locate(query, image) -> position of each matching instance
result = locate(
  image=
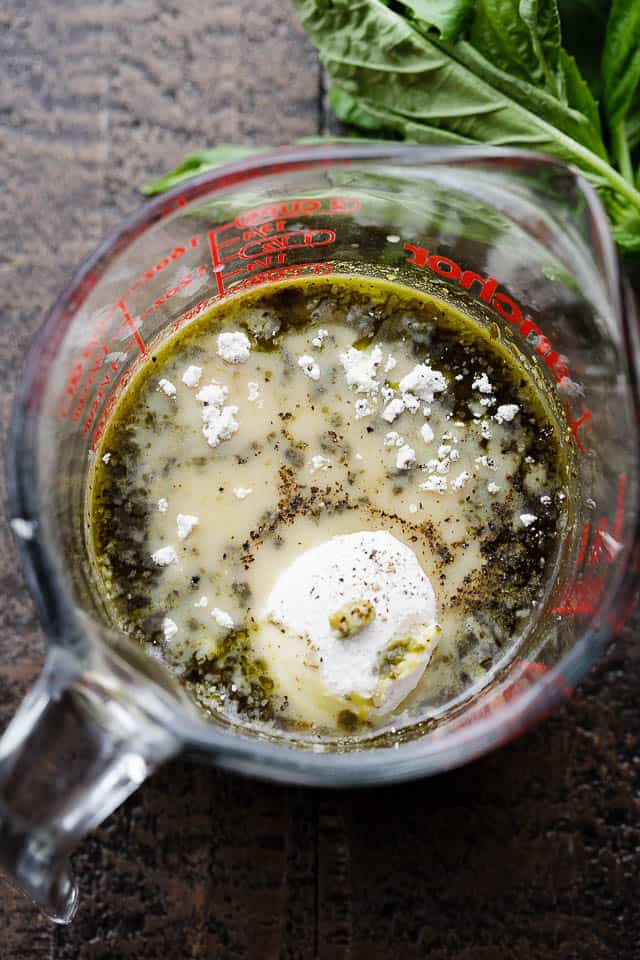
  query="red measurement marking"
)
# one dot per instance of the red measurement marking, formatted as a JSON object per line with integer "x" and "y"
{"x": 576, "y": 424}
{"x": 286, "y": 241}
{"x": 97, "y": 400}
{"x": 263, "y": 263}
{"x": 258, "y": 238}
{"x": 303, "y": 207}
{"x": 215, "y": 261}
{"x": 264, "y": 229}
{"x": 82, "y": 360}
{"x": 583, "y": 596}
{"x": 102, "y": 422}
{"x": 584, "y": 539}
{"x": 584, "y": 592}
{"x": 161, "y": 265}
{"x": 532, "y": 671}
{"x": 132, "y": 327}
{"x": 182, "y": 284}
{"x": 620, "y": 507}
{"x": 286, "y": 273}
{"x": 190, "y": 314}
{"x": 529, "y": 673}
{"x": 89, "y": 375}
{"x": 259, "y": 253}
{"x": 598, "y": 542}
{"x": 118, "y": 390}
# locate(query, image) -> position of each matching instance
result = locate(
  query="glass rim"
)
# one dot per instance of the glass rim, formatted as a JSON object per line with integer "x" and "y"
{"x": 237, "y": 749}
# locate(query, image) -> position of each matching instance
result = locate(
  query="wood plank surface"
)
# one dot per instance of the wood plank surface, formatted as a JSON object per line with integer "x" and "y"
{"x": 532, "y": 853}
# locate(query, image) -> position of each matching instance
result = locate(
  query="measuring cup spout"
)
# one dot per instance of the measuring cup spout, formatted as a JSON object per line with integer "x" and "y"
{"x": 80, "y": 743}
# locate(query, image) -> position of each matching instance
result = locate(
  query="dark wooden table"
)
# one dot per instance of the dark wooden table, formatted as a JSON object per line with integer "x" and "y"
{"x": 532, "y": 853}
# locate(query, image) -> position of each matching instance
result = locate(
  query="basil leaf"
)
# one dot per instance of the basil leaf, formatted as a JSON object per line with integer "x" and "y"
{"x": 627, "y": 242}
{"x": 621, "y": 59}
{"x": 577, "y": 92}
{"x": 429, "y": 91}
{"x": 197, "y": 163}
{"x": 449, "y": 17}
{"x": 375, "y": 55}
{"x": 355, "y": 112}
{"x": 362, "y": 112}
{"x": 543, "y": 23}
{"x": 521, "y": 37}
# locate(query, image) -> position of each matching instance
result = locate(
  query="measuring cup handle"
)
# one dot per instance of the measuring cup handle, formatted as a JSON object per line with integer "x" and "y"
{"x": 77, "y": 747}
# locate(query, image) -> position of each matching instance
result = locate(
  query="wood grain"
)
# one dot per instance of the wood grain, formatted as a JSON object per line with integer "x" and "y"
{"x": 531, "y": 853}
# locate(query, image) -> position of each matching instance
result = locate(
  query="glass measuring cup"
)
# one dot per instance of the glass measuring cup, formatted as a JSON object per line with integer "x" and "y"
{"x": 512, "y": 239}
